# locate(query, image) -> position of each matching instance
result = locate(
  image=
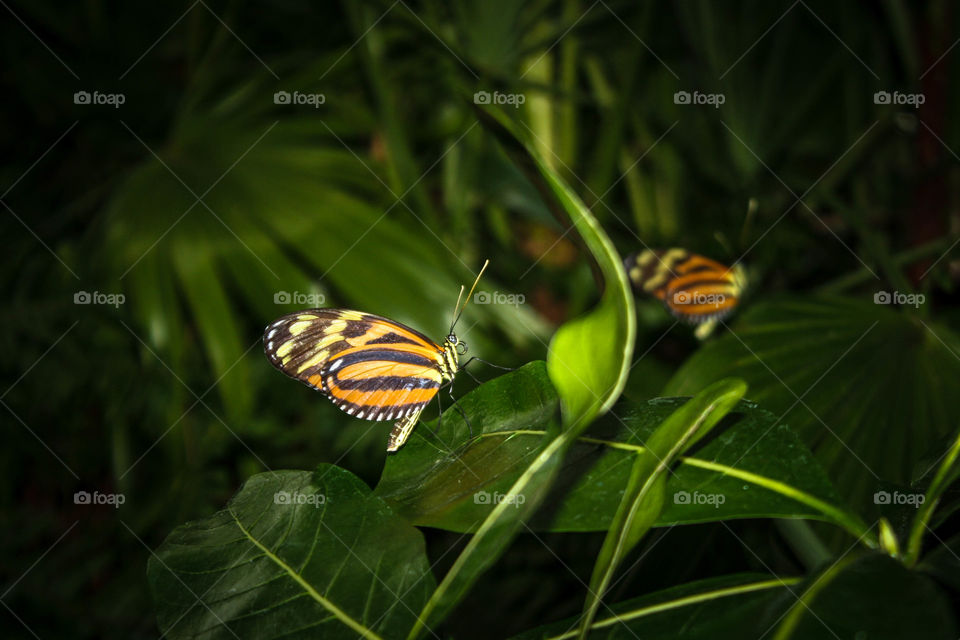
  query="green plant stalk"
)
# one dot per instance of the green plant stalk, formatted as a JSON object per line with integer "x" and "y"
{"x": 931, "y": 499}
{"x": 902, "y": 259}
{"x": 664, "y": 185}
{"x": 804, "y": 542}
{"x": 802, "y": 605}
{"x": 454, "y": 586}
{"x": 539, "y": 108}
{"x": 644, "y": 496}
{"x": 833, "y": 514}
{"x": 566, "y": 110}
{"x": 626, "y": 530}
{"x": 401, "y": 166}
{"x": 873, "y": 243}
{"x": 626, "y": 616}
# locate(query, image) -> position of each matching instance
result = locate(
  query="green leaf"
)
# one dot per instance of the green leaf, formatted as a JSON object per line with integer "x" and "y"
{"x": 943, "y": 563}
{"x": 868, "y": 595}
{"x": 602, "y": 342}
{"x": 736, "y": 606}
{"x": 645, "y": 492}
{"x": 314, "y": 554}
{"x": 442, "y": 471}
{"x": 589, "y": 357}
{"x": 946, "y": 474}
{"x": 840, "y": 372}
{"x": 753, "y": 468}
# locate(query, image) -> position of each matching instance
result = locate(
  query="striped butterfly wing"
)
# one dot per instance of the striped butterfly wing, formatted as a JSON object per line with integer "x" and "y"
{"x": 693, "y": 288}
{"x": 370, "y": 367}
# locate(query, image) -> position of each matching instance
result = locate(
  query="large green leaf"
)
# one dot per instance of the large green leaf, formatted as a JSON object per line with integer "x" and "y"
{"x": 752, "y": 468}
{"x": 868, "y": 387}
{"x": 306, "y": 553}
{"x": 646, "y": 490}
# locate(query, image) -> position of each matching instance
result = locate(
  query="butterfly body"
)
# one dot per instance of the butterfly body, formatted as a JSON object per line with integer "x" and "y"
{"x": 693, "y": 288}
{"x": 370, "y": 367}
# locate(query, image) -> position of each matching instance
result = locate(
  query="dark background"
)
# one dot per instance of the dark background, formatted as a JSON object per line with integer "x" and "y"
{"x": 201, "y": 200}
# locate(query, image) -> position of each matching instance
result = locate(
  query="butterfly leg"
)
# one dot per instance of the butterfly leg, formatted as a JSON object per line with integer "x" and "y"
{"x": 704, "y": 330}
{"x": 495, "y": 366}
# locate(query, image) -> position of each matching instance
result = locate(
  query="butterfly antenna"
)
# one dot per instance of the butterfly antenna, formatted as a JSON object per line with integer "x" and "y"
{"x": 455, "y": 307}
{"x": 467, "y": 300}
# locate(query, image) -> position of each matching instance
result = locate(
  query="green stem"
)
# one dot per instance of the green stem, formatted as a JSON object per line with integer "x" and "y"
{"x": 874, "y": 244}
{"x": 902, "y": 259}
{"x": 802, "y": 605}
{"x": 848, "y": 521}
{"x": 683, "y": 602}
{"x": 931, "y": 499}
{"x": 804, "y": 542}
{"x": 453, "y": 580}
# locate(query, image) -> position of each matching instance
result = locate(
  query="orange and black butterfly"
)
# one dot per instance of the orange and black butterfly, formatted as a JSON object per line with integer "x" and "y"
{"x": 694, "y": 289}
{"x": 370, "y": 367}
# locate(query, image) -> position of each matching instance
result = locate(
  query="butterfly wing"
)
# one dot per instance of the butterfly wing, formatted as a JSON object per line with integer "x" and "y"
{"x": 694, "y": 288}
{"x": 371, "y": 367}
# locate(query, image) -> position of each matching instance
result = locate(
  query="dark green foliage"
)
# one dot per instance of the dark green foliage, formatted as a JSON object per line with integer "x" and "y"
{"x": 213, "y": 208}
